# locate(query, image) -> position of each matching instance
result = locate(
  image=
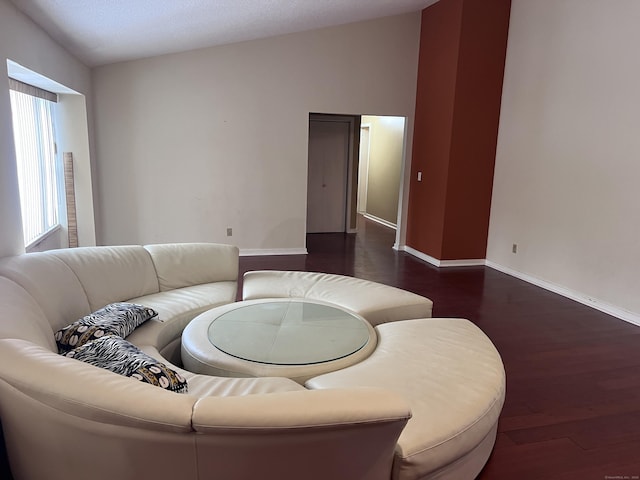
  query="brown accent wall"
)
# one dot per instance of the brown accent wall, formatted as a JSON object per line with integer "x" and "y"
{"x": 460, "y": 71}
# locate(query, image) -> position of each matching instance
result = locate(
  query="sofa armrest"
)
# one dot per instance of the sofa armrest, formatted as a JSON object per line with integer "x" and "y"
{"x": 300, "y": 410}
{"x": 316, "y": 434}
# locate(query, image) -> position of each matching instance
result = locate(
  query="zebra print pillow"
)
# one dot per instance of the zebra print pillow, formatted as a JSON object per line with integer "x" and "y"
{"x": 119, "y": 356}
{"x": 118, "y": 319}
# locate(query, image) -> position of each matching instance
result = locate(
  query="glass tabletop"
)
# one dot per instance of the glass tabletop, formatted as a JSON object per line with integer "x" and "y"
{"x": 288, "y": 332}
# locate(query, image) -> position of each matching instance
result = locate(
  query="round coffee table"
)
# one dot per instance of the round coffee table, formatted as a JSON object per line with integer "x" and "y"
{"x": 291, "y": 338}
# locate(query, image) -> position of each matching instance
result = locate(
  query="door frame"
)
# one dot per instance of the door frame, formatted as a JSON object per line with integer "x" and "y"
{"x": 363, "y": 181}
{"x": 352, "y": 164}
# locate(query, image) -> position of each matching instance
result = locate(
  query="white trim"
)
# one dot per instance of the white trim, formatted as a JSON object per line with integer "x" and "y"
{"x": 587, "y": 300}
{"x": 351, "y": 212}
{"x": 442, "y": 263}
{"x": 379, "y": 220}
{"x": 405, "y": 182}
{"x": 362, "y": 202}
{"x": 421, "y": 256}
{"x": 253, "y": 252}
{"x": 470, "y": 262}
{"x": 23, "y": 74}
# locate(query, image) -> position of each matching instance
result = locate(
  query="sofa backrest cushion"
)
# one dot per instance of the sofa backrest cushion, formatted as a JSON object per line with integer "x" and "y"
{"x": 110, "y": 274}
{"x": 52, "y": 284}
{"x": 21, "y": 317}
{"x": 183, "y": 265}
{"x": 377, "y": 302}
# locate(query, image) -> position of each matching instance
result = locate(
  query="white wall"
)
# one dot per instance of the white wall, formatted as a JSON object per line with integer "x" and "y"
{"x": 25, "y": 43}
{"x": 190, "y": 144}
{"x": 74, "y": 137}
{"x": 568, "y": 159}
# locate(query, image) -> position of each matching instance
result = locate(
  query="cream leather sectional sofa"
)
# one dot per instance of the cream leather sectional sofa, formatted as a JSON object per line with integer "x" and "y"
{"x": 65, "y": 419}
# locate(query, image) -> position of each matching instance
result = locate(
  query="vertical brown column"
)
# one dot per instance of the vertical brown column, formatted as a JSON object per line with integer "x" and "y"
{"x": 461, "y": 67}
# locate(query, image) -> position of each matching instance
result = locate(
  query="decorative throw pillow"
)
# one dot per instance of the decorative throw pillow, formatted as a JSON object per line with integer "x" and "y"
{"x": 118, "y": 319}
{"x": 122, "y": 357}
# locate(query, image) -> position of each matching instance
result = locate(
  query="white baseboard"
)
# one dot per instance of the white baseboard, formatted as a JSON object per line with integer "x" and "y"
{"x": 471, "y": 262}
{"x": 379, "y": 220}
{"x": 442, "y": 263}
{"x": 579, "y": 297}
{"x": 254, "y": 252}
{"x": 587, "y": 300}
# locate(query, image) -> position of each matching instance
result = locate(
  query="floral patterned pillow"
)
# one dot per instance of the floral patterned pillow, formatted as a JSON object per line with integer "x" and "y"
{"x": 122, "y": 357}
{"x": 118, "y": 319}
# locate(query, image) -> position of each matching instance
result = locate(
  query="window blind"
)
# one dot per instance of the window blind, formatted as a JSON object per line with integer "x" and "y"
{"x": 22, "y": 87}
{"x": 36, "y": 163}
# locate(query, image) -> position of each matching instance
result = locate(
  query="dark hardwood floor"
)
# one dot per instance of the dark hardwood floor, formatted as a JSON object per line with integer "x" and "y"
{"x": 572, "y": 409}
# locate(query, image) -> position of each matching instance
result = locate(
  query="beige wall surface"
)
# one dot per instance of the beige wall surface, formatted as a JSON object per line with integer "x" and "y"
{"x": 385, "y": 166}
{"x": 73, "y": 121}
{"x": 26, "y": 44}
{"x": 567, "y": 169}
{"x": 189, "y": 144}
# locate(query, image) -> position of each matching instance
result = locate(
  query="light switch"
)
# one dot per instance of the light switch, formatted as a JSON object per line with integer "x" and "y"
{"x": 419, "y": 176}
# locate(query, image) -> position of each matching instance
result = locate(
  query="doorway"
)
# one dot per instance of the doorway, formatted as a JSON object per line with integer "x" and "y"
{"x": 355, "y": 168}
{"x": 380, "y": 168}
{"x": 329, "y": 173}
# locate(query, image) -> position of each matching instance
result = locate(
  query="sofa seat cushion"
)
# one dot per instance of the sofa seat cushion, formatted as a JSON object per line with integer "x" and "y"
{"x": 212, "y": 386}
{"x": 176, "y": 308}
{"x": 453, "y": 379}
{"x": 376, "y": 302}
{"x": 118, "y": 319}
{"x": 119, "y": 356}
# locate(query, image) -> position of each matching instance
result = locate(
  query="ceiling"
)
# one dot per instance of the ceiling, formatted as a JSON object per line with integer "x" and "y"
{"x": 107, "y": 31}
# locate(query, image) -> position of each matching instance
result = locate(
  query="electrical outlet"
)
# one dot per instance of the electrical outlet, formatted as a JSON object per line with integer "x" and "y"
{"x": 514, "y": 248}
{"x": 229, "y": 231}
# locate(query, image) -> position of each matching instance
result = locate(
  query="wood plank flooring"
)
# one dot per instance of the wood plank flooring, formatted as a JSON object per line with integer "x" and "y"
{"x": 572, "y": 410}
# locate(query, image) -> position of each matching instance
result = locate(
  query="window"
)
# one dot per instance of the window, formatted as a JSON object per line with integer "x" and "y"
{"x": 38, "y": 171}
